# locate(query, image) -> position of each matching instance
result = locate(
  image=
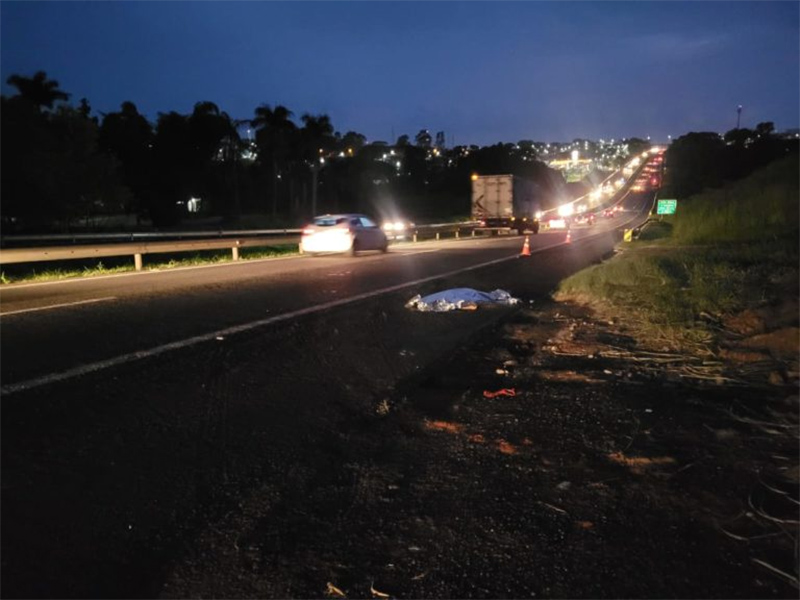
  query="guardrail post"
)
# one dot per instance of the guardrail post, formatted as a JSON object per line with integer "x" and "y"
{"x": 437, "y": 236}
{"x": 415, "y": 237}
{"x": 235, "y": 252}
{"x": 456, "y": 233}
{"x": 137, "y": 262}
{"x": 473, "y": 233}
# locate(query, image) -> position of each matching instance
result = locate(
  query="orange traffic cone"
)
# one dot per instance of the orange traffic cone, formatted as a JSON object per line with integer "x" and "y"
{"x": 569, "y": 236}
{"x": 526, "y": 247}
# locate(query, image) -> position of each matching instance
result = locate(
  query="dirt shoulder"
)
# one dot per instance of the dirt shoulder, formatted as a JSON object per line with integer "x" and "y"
{"x": 554, "y": 458}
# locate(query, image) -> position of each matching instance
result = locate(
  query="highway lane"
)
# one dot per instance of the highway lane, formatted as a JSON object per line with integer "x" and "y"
{"x": 63, "y": 329}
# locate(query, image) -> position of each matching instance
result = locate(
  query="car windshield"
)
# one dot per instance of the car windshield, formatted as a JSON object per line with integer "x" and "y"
{"x": 329, "y": 221}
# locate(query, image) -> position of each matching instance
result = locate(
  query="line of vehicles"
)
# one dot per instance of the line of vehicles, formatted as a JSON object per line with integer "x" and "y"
{"x": 511, "y": 204}
{"x": 500, "y": 203}
{"x": 505, "y": 203}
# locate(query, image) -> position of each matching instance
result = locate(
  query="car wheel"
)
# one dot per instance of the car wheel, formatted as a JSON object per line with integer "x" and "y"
{"x": 354, "y": 248}
{"x": 385, "y": 247}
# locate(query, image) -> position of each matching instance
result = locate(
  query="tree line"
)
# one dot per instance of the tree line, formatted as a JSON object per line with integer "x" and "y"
{"x": 700, "y": 160}
{"x": 64, "y": 167}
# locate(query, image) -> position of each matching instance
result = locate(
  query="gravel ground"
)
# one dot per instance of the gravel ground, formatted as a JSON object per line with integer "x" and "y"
{"x": 594, "y": 479}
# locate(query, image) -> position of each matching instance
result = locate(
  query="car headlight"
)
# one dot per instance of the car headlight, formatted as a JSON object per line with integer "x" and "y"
{"x": 394, "y": 226}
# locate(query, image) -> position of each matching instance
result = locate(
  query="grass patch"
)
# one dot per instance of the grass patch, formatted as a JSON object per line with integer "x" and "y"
{"x": 51, "y": 271}
{"x": 656, "y": 230}
{"x": 764, "y": 204}
{"x": 724, "y": 251}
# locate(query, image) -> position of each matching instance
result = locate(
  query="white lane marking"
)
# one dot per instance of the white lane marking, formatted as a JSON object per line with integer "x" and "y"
{"x": 12, "y": 388}
{"x": 27, "y": 310}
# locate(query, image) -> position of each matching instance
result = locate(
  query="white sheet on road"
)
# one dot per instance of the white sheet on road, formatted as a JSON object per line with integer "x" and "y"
{"x": 456, "y": 298}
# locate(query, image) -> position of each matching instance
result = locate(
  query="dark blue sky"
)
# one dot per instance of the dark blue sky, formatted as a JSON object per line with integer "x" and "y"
{"x": 483, "y": 72}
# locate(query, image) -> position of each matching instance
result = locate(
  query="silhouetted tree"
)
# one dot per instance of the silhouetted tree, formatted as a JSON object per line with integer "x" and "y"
{"x": 174, "y": 172}
{"x": 54, "y": 173}
{"x": 352, "y": 140}
{"x": 696, "y": 160}
{"x": 423, "y": 139}
{"x": 85, "y": 109}
{"x": 275, "y": 133}
{"x": 316, "y": 142}
{"x": 38, "y": 90}
{"x": 129, "y": 137}
{"x": 765, "y": 129}
{"x": 212, "y": 137}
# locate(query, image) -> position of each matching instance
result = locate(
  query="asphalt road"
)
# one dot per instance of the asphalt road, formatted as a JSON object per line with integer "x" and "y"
{"x": 138, "y": 409}
{"x": 64, "y": 329}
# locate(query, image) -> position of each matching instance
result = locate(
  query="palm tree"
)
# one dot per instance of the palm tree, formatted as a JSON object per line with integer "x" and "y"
{"x": 317, "y": 134}
{"x": 274, "y": 133}
{"x": 38, "y": 90}
{"x": 317, "y": 140}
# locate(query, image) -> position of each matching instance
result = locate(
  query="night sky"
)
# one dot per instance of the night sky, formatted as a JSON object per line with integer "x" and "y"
{"x": 482, "y": 72}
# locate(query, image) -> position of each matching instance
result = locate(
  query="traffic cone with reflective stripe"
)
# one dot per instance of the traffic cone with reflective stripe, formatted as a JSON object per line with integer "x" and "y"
{"x": 526, "y": 247}
{"x": 569, "y": 236}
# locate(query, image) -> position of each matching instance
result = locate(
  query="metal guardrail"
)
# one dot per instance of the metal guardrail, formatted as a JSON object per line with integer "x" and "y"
{"x": 129, "y": 246}
{"x": 132, "y": 237}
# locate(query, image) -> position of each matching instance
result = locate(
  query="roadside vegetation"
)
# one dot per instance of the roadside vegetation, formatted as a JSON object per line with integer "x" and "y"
{"x": 36, "y": 272}
{"x": 74, "y": 170}
{"x": 725, "y": 251}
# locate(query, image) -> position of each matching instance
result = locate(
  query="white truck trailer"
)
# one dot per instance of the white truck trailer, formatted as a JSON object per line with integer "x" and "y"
{"x": 505, "y": 203}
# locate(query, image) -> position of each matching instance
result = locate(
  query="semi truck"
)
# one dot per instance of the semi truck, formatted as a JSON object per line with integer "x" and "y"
{"x": 505, "y": 203}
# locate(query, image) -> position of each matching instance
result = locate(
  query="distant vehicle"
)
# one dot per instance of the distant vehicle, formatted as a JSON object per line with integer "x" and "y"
{"x": 609, "y": 213}
{"x": 584, "y": 219}
{"x": 342, "y": 233}
{"x": 398, "y": 229}
{"x": 556, "y": 223}
{"x": 505, "y": 203}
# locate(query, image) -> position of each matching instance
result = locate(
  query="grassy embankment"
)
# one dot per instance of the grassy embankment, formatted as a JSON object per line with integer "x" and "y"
{"x": 724, "y": 251}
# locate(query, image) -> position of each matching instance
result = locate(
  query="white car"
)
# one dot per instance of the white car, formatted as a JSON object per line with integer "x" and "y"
{"x": 342, "y": 233}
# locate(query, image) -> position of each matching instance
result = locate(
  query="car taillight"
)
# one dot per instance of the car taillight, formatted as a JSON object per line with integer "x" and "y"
{"x": 308, "y": 231}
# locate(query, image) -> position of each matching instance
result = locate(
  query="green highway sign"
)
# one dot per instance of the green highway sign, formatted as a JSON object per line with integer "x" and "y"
{"x": 666, "y": 207}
